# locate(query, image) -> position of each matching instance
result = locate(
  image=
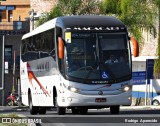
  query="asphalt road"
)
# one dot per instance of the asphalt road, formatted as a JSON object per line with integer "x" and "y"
{"x": 127, "y": 117}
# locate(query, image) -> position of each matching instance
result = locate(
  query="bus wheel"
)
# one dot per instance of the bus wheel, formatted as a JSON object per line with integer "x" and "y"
{"x": 33, "y": 109}
{"x": 114, "y": 109}
{"x": 75, "y": 111}
{"x": 42, "y": 110}
{"x": 61, "y": 110}
{"x": 83, "y": 110}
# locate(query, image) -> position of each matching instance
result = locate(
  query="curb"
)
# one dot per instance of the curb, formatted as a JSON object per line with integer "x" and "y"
{"x": 12, "y": 108}
{"x": 139, "y": 107}
{"x": 25, "y": 108}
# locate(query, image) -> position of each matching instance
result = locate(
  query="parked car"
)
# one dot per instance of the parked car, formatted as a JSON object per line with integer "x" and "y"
{"x": 156, "y": 100}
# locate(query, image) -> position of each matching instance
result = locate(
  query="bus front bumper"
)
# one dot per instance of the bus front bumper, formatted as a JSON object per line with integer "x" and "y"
{"x": 75, "y": 99}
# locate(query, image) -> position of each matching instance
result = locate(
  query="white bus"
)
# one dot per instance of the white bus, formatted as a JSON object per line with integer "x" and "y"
{"x": 64, "y": 65}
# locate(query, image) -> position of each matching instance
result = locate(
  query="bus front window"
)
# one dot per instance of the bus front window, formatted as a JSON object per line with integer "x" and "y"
{"x": 81, "y": 56}
{"x": 114, "y": 55}
{"x": 87, "y": 56}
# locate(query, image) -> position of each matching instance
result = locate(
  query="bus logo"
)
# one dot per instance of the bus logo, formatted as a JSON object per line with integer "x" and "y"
{"x": 100, "y": 92}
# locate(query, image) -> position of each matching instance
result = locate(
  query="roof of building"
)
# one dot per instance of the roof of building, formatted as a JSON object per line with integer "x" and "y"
{"x": 15, "y": 2}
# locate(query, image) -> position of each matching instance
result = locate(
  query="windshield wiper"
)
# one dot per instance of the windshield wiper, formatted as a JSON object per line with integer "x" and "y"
{"x": 88, "y": 74}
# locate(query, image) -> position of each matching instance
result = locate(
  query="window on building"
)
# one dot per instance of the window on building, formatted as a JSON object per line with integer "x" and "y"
{"x": 10, "y": 16}
{"x": 4, "y": 14}
{"x": 8, "y": 55}
{"x": 0, "y": 15}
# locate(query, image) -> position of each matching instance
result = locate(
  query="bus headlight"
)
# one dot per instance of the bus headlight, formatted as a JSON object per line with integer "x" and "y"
{"x": 127, "y": 88}
{"x": 73, "y": 89}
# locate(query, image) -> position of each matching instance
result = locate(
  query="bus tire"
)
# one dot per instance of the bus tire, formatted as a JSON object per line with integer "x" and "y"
{"x": 61, "y": 110}
{"x": 42, "y": 110}
{"x": 75, "y": 111}
{"x": 33, "y": 110}
{"x": 83, "y": 110}
{"x": 114, "y": 109}
{"x": 54, "y": 97}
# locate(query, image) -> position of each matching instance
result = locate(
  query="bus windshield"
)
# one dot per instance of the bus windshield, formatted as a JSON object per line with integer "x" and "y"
{"x": 98, "y": 57}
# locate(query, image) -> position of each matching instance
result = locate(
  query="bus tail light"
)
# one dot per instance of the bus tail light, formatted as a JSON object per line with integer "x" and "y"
{"x": 60, "y": 48}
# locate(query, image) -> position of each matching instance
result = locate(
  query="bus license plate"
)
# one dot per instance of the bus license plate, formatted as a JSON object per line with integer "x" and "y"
{"x": 100, "y": 100}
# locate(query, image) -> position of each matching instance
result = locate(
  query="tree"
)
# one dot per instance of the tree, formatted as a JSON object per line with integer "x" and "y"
{"x": 71, "y": 7}
{"x": 137, "y": 15}
{"x": 55, "y": 12}
{"x": 157, "y": 61}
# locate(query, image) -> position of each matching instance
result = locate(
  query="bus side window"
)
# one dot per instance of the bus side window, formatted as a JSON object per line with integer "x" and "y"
{"x": 24, "y": 49}
{"x": 52, "y": 53}
{"x": 51, "y": 44}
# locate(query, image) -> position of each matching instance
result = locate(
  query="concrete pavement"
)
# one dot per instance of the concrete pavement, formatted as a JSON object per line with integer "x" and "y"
{"x": 24, "y": 108}
{"x": 12, "y": 108}
{"x": 4, "y": 109}
{"x": 141, "y": 107}
{"x": 15, "y": 109}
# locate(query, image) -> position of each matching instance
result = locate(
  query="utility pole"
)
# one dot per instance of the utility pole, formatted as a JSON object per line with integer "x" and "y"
{"x": 32, "y": 18}
{"x": 31, "y": 13}
{"x": 2, "y": 76}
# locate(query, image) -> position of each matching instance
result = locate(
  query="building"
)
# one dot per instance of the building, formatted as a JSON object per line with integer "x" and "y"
{"x": 14, "y": 10}
{"x": 13, "y": 24}
{"x": 13, "y": 15}
{"x": 43, "y": 5}
{"x": 37, "y": 10}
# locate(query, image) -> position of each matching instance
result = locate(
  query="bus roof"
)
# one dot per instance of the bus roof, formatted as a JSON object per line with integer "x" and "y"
{"x": 44, "y": 27}
{"x": 77, "y": 21}
{"x": 89, "y": 20}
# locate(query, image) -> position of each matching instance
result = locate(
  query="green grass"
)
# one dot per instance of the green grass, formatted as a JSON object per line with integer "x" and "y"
{"x": 12, "y": 115}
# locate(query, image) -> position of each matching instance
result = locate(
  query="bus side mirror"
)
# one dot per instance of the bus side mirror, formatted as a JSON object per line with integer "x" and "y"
{"x": 135, "y": 47}
{"x": 60, "y": 48}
